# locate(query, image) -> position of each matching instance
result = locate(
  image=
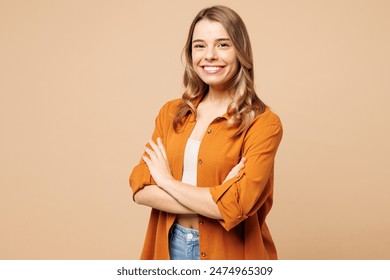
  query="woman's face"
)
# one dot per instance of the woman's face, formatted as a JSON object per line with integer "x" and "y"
{"x": 213, "y": 55}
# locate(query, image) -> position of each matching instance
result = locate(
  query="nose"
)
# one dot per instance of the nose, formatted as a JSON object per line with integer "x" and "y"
{"x": 211, "y": 54}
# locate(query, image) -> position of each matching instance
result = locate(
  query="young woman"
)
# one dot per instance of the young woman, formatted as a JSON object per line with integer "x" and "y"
{"x": 208, "y": 171}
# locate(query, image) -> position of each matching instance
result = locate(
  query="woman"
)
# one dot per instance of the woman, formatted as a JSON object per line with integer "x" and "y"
{"x": 207, "y": 172}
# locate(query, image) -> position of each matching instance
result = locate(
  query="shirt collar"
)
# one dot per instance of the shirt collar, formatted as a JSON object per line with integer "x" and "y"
{"x": 196, "y": 103}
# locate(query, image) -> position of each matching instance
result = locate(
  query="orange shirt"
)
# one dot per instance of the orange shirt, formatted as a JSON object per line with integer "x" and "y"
{"x": 244, "y": 201}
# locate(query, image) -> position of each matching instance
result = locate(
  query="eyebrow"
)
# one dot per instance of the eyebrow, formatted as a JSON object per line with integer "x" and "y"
{"x": 218, "y": 40}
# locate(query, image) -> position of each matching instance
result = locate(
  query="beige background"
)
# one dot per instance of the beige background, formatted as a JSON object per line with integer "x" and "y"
{"x": 82, "y": 81}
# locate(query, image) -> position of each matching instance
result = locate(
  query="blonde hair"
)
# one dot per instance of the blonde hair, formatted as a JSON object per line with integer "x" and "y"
{"x": 246, "y": 104}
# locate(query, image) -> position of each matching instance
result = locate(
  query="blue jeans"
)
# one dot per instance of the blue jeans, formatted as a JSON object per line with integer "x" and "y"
{"x": 183, "y": 243}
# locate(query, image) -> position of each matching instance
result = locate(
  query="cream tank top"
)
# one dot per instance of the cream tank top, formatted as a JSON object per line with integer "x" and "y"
{"x": 190, "y": 163}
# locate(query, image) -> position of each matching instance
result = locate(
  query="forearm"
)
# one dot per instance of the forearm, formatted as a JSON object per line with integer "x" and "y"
{"x": 197, "y": 199}
{"x": 157, "y": 198}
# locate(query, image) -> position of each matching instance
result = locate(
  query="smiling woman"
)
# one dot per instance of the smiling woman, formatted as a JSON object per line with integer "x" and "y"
{"x": 207, "y": 172}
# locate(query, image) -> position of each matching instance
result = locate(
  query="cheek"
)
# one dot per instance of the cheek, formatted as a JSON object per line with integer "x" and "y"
{"x": 236, "y": 66}
{"x": 196, "y": 57}
{"x": 231, "y": 59}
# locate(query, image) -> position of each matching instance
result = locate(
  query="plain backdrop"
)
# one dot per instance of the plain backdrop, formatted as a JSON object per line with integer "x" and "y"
{"x": 81, "y": 82}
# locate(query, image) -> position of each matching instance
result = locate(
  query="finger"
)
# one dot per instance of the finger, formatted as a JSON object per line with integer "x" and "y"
{"x": 155, "y": 148}
{"x": 234, "y": 169}
{"x": 234, "y": 172}
{"x": 241, "y": 164}
{"x": 147, "y": 160}
{"x": 152, "y": 155}
{"x": 162, "y": 148}
{"x": 238, "y": 166}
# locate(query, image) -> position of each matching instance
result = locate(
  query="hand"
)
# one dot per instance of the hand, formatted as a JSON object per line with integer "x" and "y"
{"x": 236, "y": 169}
{"x": 158, "y": 164}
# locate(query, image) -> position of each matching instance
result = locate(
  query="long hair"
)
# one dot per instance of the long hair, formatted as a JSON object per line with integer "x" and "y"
{"x": 246, "y": 104}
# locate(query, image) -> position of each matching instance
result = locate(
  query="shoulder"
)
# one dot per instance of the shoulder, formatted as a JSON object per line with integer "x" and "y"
{"x": 267, "y": 118}
{"x": 171, "y": 106}
{"x": 168, "y": 112}
{"x": 265, "y": 125}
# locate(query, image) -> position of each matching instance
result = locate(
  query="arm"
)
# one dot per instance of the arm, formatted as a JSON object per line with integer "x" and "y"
{"x": 244, "y": 195}
{"x": 142, "y": 183}
{"x": 157, "y": 198}
{"x": 140, "y": 176}
{"x": 199, "y": 200}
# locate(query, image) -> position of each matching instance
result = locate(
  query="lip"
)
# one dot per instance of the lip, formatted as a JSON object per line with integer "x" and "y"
{"x": 212, "y": 69}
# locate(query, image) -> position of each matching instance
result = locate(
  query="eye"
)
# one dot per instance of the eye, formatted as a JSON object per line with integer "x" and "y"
{"x": 224, "y": 45}
{"x": 198, "y": 46}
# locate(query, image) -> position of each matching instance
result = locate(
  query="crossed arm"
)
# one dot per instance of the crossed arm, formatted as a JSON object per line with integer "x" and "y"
{"x": 174, "y": 196}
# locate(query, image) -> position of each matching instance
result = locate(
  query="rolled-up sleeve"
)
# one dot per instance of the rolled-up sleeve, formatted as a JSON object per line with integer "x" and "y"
{"x": 140, "y": 176}
{"x": 243, "y": 195}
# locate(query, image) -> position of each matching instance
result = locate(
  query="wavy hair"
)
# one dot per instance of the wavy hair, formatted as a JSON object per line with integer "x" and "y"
{"x": 246, "y": 104}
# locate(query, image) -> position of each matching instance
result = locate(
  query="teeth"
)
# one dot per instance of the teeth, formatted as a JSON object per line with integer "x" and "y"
{"x": 211, "y": 68}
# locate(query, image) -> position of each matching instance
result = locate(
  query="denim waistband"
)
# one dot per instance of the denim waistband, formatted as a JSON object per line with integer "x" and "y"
{"x": 185, "y": 232}
{"x": 183, "y": 243}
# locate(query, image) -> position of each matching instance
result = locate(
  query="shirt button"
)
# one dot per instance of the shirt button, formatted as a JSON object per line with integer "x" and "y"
{"x": 189, "y": 236}
{"x": 201, "y": 222}
{"x": 203, "y": 254}
{"x": 200, "y": 161}
{"x": 209, "y": 131}
{"x": 238, "y": 175}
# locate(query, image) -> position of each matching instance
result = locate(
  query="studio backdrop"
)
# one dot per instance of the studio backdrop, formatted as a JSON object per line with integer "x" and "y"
{"x": 81, "y": 83}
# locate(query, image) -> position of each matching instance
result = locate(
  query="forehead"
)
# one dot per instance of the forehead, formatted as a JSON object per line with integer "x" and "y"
{"x": 209, "y": 30}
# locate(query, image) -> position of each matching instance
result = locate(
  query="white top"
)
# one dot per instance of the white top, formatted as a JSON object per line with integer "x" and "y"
{"x": 190, "y": 164}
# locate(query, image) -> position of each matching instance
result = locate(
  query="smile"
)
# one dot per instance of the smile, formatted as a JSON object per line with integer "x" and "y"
{"x": 212, "y": 69}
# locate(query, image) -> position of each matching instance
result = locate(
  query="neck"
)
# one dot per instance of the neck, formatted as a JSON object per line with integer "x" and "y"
{"x": 218, "y": 96}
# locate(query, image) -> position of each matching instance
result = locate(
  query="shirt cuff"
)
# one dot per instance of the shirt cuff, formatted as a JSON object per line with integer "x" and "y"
{"x": 140, "y": 177}
{"x": 227, "y": 199}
